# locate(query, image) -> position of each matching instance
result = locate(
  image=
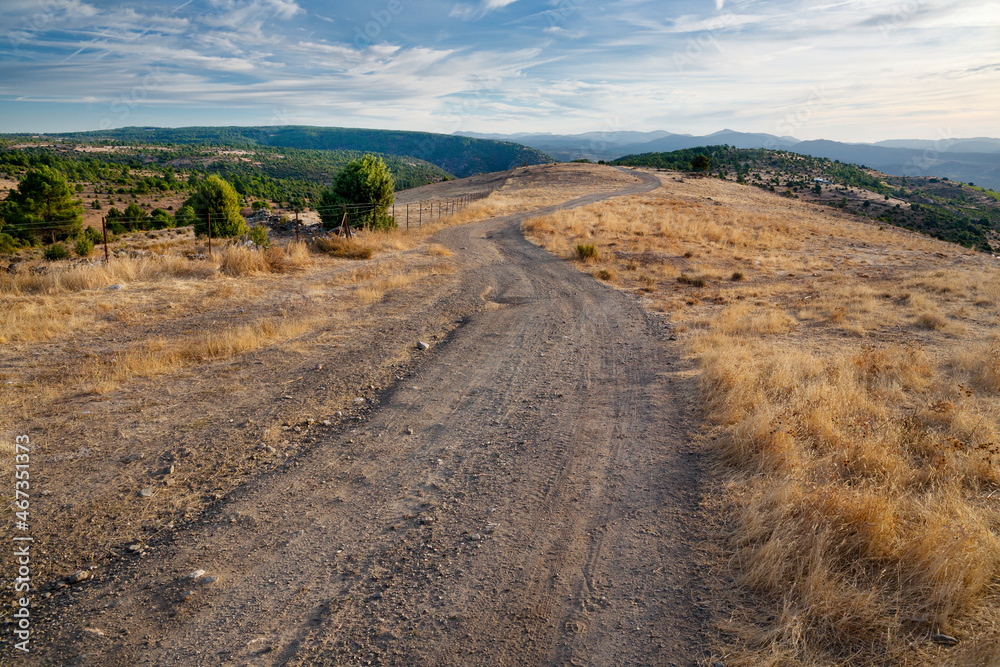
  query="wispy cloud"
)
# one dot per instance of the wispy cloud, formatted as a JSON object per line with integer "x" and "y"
{"x": 474, "y": 11}
{"x": 507, "y": 65}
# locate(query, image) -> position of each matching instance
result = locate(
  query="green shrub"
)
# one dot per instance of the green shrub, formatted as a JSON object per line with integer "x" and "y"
{"x": 586, "y": 251}
{"x": 258, "y": 234}
{"x": 94, "y": 234}
{"x": 56, "y": 251}
{"x": 185, "y": 216}
{"x": 8, "y": 244}
{"x": 84, "y": 246}
{"x": 161, "y": 219}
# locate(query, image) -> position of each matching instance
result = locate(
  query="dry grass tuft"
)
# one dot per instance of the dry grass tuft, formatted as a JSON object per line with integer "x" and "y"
{"x": 243, "y": 261}
{"x": 348, "y": 248}
{"x": 981, "y": 363}
{"x": 438, "y": 250}
{"x": 604, "y": 274}
{"x": 240, "y": 261}
{"x": 932, "y": 321}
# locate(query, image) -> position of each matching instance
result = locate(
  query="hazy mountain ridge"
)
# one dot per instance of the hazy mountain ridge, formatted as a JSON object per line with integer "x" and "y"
{"x": 975, "y": 160}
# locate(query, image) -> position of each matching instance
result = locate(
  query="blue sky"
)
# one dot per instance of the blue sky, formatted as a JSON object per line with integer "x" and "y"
{"x": 852, "y": 70}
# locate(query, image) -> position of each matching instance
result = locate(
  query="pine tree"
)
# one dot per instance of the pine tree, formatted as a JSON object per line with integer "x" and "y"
{"x": 218, "y": 199}
{"x": 366, "y": 182}
{"x": 42, "y": 206}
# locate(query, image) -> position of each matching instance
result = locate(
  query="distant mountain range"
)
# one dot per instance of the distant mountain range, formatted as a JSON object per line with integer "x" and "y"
{"x": 975, "y": 160}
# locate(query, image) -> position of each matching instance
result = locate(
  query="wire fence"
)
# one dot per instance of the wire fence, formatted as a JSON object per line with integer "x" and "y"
{"x": 429, "y": 210}
{"x": 358, "y": 215}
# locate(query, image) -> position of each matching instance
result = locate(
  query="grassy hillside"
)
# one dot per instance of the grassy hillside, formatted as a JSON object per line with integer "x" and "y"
{"x": 462, "y": 156}
{"x": 948, "y": 210}
{"x": 847, "y": 372}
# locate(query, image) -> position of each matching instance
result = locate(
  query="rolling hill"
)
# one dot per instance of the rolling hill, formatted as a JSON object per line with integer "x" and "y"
{"x": 942, "y": 208}
{"x": 458, "y": 155}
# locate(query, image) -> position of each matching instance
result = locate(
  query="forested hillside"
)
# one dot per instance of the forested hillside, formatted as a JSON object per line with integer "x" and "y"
{"x": 263, "y": 172}
{"x": 462, "y": 156}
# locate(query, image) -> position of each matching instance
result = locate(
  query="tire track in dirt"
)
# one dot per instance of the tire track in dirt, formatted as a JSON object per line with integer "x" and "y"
{"x": 529, "y": 496}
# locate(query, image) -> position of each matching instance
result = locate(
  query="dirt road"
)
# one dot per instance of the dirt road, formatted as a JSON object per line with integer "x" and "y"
{"x": 527, "y": 496}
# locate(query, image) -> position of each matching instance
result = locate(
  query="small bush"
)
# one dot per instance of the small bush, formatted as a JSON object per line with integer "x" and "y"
{"x": 93, "y": 234}
{"x": 931, "y": 320}
{"x": 8, "y": 244}
{"x": 694, "y": 281}
{"x": 56, "y": 251}
{"x": 586, "y": 251}
{"x": 605, "y": 274}
{"x": 84, "y": 246}
{"x": 738, "y": 276}
{"x": 258, "y": 234}
{"x": 343, "y": 247}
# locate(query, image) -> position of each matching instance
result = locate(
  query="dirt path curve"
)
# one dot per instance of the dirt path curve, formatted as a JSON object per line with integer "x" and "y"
{"x": 527, "y": 497}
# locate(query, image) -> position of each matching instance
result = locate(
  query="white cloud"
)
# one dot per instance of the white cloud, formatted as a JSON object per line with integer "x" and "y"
{"x": 467, "y": 11}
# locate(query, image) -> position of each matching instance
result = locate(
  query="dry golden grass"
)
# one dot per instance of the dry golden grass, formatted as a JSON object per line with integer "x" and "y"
{"x": 64, "y": 277}
{"x": 850, "y": 380}
{"x": 438, "y": 250}
{"x": 864, "y": 519}
{"x": 346, "y": 248}
{"x": 161, "y": 356}
{"x": 242, "y": 261}
{"x": 376, "y": 289}
{"x": 365, "y": 244}
{"x": 981, "y": 364}
{"x": 70, "y": 305}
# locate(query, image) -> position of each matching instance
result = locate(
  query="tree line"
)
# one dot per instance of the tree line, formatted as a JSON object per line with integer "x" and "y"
{"x": 43, "y": 207}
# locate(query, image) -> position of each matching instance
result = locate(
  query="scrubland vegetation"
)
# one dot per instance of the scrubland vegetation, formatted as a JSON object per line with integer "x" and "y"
{"x": 849, "y": 375}
{"x": 949, "y": 210}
